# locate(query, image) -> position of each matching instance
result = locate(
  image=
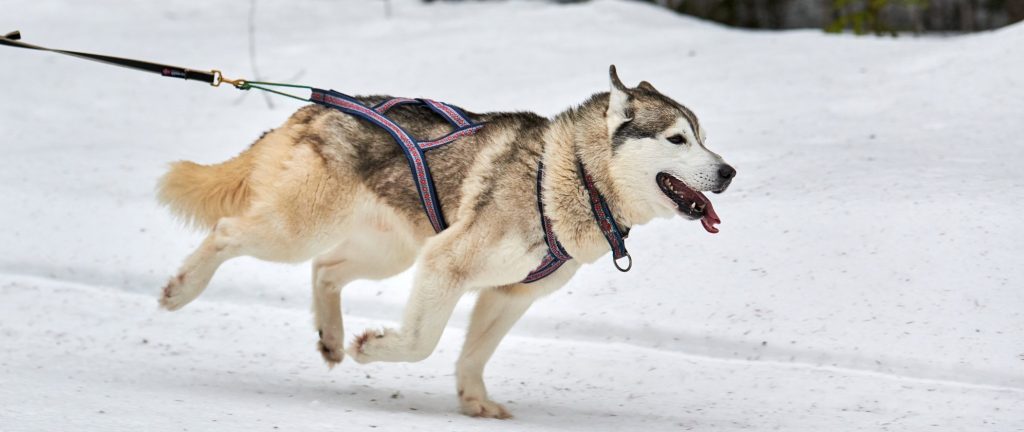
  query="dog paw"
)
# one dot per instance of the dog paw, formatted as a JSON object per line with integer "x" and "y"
{"x": 368, "y": 346}
{"x": 173, "y": 296}
{"x": 483, "y": 407}
{"x": 331, "y": 349}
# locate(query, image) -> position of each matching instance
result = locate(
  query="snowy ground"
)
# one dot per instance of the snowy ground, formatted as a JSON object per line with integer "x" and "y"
{"x": 867, "y": 276}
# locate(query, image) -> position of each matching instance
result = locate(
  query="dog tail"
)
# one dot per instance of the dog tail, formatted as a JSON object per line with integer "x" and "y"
{"x": 202, "y": 194}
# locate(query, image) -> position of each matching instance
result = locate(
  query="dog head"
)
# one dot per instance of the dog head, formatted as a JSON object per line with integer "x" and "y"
{"x": 659, "y": 157}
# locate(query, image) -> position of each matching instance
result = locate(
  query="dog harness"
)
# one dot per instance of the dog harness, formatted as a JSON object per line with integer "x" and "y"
{"x": 414, "y": 150}
{"x": 557, "y": 255}
{"x": 415, "y": 153}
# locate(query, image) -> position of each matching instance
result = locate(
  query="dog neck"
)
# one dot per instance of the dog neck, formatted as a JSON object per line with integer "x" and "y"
{"x": 577, "y": 137}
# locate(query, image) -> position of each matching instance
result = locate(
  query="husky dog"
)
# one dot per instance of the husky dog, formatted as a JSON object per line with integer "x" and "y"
{"x": 336, "y": 189}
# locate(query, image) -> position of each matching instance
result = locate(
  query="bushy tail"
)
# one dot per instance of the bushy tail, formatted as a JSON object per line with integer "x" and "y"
{"x": 202, "y": 194}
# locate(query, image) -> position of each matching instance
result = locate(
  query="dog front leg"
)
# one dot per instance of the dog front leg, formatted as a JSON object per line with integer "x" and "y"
{"x": 495, "y": 312}
{"x": 437, "y": 288}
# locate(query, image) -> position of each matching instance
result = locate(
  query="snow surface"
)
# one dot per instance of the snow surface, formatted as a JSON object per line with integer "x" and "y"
{"x": 867, "y": 277}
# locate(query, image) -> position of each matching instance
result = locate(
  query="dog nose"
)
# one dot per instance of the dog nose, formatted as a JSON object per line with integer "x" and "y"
{"x": 726, "y": 172}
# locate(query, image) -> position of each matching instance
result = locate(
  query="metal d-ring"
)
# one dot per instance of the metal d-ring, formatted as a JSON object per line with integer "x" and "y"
{"x": 628, "y": 266}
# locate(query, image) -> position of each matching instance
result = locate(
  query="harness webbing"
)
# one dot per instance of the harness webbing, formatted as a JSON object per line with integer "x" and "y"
{"x": 606, "y": 221}
{"x": 603, "y": 216}
{"x": 414, "y": 150}
{"x": 556, "y": 253}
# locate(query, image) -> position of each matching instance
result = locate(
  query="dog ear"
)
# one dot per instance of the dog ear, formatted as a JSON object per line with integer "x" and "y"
{"x": 647, "y": 86}
{"x": 619, "y": 110}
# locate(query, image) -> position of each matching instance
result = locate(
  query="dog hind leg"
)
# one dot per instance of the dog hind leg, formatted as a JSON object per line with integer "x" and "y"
{"x": 329, "y": 276}
{"x": 290, "y": 209}
{"x": 256, "y": 234}
{"x": 224, "y": 242}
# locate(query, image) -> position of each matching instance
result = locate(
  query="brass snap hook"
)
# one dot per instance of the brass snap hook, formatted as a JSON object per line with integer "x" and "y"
{"x": 218, "y": 78}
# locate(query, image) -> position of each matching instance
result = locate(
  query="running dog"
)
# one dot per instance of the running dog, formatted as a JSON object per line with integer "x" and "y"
{"x": 527, "y": 200}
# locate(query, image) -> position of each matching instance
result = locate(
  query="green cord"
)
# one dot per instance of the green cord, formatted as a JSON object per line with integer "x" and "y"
{"x": 246, "y": 85}
{"x": 278, "y": 84}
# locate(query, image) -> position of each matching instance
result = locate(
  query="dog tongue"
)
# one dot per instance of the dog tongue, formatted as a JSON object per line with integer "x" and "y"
{"x": 710, "y": 217}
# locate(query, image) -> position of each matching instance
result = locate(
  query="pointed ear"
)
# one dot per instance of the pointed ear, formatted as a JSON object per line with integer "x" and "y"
{"x": 618, "y": 101}
{"x": 647, "y": 86}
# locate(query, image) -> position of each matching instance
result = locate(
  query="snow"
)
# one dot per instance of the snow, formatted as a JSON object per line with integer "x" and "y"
{"x": 867, "y": 276}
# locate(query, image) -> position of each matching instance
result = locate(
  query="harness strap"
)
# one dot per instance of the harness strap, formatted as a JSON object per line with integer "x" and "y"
{"x": 453, "y": 115}
{"x": 414, "y": 150}
{"x": 547, "y": 266}
{"x": 450, "y": 113}
{"x": 556, "y": 255}
{"x": 383, "y": 107}
{"x": 458, "y": 133}
{"x": 605, "y": 221}
{"x": 413, "y": 153}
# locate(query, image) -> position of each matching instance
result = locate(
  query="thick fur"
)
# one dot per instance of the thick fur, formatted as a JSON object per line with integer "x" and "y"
{"x": 329, "y": 187}
{"x": 202, "y": 195}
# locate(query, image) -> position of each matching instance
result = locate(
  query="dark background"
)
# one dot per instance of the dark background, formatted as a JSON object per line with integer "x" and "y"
{"x": 888, "y": 17}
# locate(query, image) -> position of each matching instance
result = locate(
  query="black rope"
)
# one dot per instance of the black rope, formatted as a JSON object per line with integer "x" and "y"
{"x": 209, "y": 77}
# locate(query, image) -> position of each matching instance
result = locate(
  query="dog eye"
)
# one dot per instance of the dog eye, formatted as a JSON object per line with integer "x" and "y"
{"x": 677, "y": 139}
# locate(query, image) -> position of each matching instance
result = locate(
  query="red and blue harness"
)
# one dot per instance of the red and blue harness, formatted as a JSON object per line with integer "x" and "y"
{"x": 415, "y": 153}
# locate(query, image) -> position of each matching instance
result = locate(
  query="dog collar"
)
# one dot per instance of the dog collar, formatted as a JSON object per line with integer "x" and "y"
{"x": 606, "y": 222}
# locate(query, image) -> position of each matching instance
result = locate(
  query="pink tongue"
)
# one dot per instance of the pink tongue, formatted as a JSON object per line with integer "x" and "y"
{"x": 710, "y": 217}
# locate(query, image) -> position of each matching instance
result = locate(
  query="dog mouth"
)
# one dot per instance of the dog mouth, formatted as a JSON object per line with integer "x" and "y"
{"x": 690, "y": 203}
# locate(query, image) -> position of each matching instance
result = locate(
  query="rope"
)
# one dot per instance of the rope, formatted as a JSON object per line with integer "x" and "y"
{"x": 264, "y": 85}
